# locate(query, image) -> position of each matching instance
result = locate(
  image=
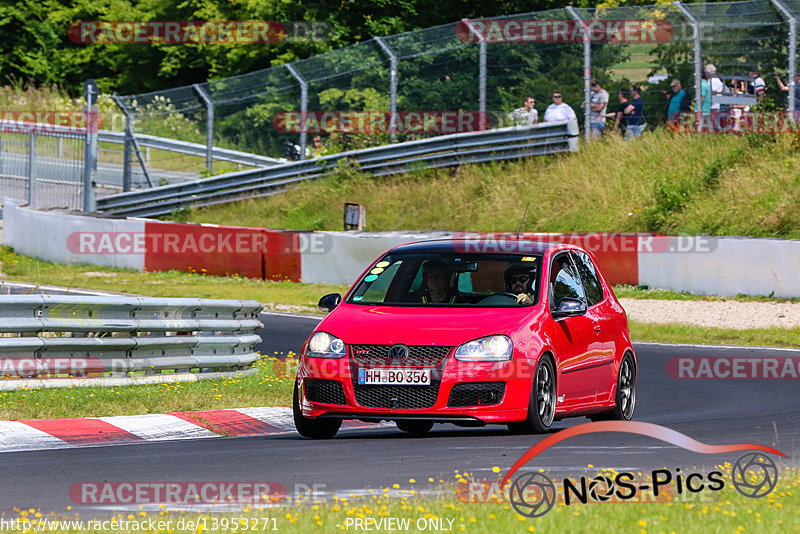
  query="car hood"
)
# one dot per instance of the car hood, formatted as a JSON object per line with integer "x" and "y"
{"x": 388, "y": 325}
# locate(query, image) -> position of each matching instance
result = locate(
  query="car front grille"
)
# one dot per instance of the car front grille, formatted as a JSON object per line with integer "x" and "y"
{"x": 418, "y": 356}
{"x": 476, "y": 394}
{"x": 395, "y": 397}
{"x": 324, "y": 391}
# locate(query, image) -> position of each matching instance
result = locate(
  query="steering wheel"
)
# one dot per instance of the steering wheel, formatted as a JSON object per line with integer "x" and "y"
{"x": 491, "y": 298}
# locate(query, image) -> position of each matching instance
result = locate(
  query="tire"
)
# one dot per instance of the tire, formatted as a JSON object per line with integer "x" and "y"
{"x": 625, "y": 398}
{"x": 415, "y": 428}
{"x": 312, "y": 428}
{"x": 542, "y": 403}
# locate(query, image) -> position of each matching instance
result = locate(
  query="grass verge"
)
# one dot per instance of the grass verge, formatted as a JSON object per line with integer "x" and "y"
{"x": 724, "y": 511}
{"x": 271, "y": 385}
{"x": 680, "y": 333}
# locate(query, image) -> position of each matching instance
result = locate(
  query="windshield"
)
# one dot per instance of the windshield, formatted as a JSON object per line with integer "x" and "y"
{"x": 453, "y": 280}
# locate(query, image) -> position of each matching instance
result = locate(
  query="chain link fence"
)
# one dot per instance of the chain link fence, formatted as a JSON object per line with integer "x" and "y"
{"x": 445, "y": 69}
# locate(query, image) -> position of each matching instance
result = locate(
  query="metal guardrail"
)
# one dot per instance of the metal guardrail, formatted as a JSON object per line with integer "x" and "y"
{"x": 442, "y": 151}
{"x": 192, "y": 149}
{"x": 60, "y": 340}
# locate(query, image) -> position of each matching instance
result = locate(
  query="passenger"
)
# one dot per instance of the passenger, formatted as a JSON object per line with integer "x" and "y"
{"x": 436, "y": 284}
{"x": 520, "y": 277}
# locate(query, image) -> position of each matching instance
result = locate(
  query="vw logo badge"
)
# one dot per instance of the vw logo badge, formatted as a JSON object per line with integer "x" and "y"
{"x": 398, "y": 354}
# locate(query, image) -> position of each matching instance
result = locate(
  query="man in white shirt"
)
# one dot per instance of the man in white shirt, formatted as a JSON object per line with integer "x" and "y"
{"x": 558, "y": 110}
{"x": 717, "y": 86}
{"x": 525, "y": 116}
{"x": 756, "y": 86}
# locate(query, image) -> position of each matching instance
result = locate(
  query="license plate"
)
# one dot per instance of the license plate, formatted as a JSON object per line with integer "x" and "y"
{"x": 405, "y": 377}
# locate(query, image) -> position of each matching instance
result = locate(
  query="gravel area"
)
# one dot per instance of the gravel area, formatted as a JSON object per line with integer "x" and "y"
{"x": 718, "y": 314}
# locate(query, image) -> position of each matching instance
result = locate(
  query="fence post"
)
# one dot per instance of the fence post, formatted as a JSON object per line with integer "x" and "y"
{"x": 31, "y": 169}
{"x": 303, "y": 107}
{"x": 209, "y": 126}
{"x": 792, "y": 50}
{"x": 129, "y": 134}
{"x": 90, "y": 93}
{"x": 481, "y": 73}
{"x": 392, "y": 87}
{"x": 698, "y": 54}
{"x": 587, "y": 73}
{"x": 126, "y": 157}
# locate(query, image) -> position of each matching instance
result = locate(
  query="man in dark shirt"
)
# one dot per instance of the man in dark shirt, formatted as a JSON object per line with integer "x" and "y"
{"x": 634, "y": 114}
{"x": 620, "y": 119}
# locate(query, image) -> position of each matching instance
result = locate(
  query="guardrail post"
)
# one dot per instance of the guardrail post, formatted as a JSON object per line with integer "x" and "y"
{"x": 303, "y": 107}
{"x": 90, "y": 148}
{"x": 31, "y": 168}
{"x": 126, "y": 158}
{"x": 780, "y": 6}
{"x": 587, "y": 73}
{"x": 392, "y": 86}
{"x": 698, "y": 57}
{"x": 481, "y": 73}
{"x": 209, "y": 126}
{"x": 129, "y": 135}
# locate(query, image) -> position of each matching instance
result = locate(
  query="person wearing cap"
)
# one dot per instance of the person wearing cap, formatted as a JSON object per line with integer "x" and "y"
{"x": 717, "y": 86}
{"x": 677, "y": 102}
{"x": 520, "y": 277}
{"x": 756, "y": 86}
{"x": 436, "y": 284}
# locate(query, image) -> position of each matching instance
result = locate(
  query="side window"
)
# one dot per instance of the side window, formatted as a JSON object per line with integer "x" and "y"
{"x": 591, "y": 282}
{"x": 564, "y": 280}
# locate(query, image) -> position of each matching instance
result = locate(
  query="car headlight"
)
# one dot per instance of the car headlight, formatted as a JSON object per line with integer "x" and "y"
{"x": 490, "y": 348}
{"x": 324, "y": 345}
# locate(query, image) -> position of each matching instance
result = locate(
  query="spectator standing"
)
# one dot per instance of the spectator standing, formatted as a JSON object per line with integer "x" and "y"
{"x": 558, "y": 110}
{"x": 619, "y": 114}
{"x": 705, "y": 94}
{"x": 756, "y": 86}
{"x": 598, "y": 104}
{"x": 787, "y": 89}
{"x": 717, "y": 87}
{"x": 635, "y": 114}
{"x": 677, "y": 101}
{"x": 526, "y": 115}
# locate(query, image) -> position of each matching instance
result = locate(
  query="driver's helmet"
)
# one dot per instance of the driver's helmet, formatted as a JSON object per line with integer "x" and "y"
{"x": 518, "y": 269}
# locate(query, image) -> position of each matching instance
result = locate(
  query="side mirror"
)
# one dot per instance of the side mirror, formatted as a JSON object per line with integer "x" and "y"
{"x": 569, "y": 307}
{"x": 329, "y": 302}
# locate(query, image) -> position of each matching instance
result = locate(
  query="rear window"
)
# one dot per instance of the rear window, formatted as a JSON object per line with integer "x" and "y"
{"x": 452, "y": 280}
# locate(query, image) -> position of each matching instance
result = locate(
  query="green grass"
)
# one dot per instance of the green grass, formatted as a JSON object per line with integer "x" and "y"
{"x": 722, "y": 512}
{"x": 162, "y": 284}
{"x": 680, "y": 333}
{"x": 649, "y": 293}
{"x": 271, "y": 385}
{"x": 664, "y": 182}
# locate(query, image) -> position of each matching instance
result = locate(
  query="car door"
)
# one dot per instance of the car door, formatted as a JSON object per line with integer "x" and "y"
{"x": 573, "y": 337}
{"x": 600, "y": 312}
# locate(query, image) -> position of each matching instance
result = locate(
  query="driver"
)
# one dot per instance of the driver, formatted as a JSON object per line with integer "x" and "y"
{"x": 436, "y": 283}
{"x": 519, "y": 277}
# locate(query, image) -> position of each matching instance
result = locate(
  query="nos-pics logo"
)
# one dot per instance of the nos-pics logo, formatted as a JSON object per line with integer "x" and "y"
{"x": 533, "y": 494}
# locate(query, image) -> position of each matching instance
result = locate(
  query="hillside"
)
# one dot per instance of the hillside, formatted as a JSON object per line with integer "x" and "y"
{"x": 679, "y": 184}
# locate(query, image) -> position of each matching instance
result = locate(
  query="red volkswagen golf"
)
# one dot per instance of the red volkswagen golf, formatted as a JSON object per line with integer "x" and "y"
{"x": 457, "y": 332}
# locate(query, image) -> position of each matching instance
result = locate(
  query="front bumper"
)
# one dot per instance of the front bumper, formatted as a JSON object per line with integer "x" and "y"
{"x": 473, "y": 383}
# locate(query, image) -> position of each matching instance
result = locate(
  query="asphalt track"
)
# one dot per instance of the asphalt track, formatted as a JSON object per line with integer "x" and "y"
{"x": 717, "y": 412}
